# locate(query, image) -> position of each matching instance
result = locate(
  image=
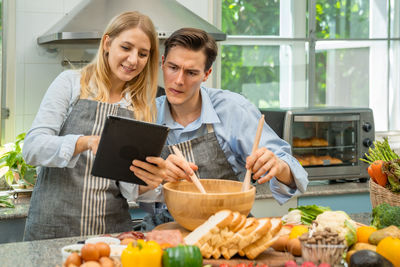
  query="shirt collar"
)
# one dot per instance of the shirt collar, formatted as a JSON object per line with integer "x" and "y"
{"x": 208, "y": 114}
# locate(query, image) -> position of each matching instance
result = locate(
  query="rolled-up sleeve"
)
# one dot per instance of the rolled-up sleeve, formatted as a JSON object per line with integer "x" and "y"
{"x": 282, "y": 192}
{"x": 42, "y": 145}
{"x": 236, "y": 135}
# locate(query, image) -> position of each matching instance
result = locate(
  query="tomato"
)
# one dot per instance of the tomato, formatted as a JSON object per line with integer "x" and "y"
{"x": 224, "y": 265}
{"x": 241, "y": 265}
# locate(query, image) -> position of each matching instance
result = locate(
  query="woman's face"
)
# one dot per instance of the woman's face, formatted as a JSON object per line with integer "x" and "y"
{"x": 128, "y": 54}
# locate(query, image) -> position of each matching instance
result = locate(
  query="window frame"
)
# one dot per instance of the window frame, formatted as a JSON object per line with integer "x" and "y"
{"x": 295, "y": 11}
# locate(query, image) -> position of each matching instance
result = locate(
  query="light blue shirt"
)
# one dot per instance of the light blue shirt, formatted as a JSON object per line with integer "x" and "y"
{"x": 43, "y": 147}
{"x": 235, "y": 121}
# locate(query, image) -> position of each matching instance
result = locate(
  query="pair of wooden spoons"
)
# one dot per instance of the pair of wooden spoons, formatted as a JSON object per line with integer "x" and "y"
{"x": 246, "y": 182}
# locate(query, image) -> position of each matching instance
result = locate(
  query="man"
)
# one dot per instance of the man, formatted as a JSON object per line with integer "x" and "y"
{"x": 215, "y": 128}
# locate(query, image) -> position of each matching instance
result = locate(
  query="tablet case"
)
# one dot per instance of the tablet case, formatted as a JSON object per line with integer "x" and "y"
{"x": 122, "y": 141}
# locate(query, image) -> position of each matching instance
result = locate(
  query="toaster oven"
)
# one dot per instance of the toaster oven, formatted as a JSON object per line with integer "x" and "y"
{"x": 328, "y": 142}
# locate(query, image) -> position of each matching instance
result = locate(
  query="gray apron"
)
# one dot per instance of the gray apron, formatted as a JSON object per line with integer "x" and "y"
{"x": 207, "y": 154}
{"x": 70, "y": 201}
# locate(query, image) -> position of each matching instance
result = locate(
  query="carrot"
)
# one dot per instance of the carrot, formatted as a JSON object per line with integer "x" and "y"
{"x": 376, "y": 173}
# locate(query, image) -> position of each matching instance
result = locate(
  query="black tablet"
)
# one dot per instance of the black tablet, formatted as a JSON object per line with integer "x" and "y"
{"x": 124, "y": 140}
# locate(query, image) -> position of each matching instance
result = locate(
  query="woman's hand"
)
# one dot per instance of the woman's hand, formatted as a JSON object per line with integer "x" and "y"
{"x": 88, "y": 142}
{"x": 264, "y": 161}
{"x": 93, "y": 143}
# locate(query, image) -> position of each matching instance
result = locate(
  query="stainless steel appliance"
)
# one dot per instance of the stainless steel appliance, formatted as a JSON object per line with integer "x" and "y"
{"x": 328, "y": 142}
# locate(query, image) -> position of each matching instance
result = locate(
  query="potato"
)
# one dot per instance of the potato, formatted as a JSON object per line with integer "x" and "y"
{"x": 361, "y": 246}
{"x": 377, "y": 236}
{"x": 281, "y": 243}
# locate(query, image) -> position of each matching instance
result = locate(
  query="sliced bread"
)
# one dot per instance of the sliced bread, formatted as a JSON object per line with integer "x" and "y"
{"x": 264, "y": 226}
{"x": 209, "y": 229}
{"x": 260, "y": 245}
{"x": 231, "y": 246}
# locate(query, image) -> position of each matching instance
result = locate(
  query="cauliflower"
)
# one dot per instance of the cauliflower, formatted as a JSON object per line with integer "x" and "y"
{"x": 293, "y": 217}
{"x": 339, "y": 222}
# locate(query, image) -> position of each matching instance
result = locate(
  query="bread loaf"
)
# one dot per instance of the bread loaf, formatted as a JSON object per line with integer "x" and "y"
{"x": 212, "y": 226}
{"x": 260, "y": 245}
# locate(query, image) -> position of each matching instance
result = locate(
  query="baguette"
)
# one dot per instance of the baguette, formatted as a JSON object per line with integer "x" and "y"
{"x": 260, "y": 245}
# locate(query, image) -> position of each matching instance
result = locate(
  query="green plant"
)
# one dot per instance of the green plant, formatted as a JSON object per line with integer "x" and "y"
{"x": 18, "y": 170}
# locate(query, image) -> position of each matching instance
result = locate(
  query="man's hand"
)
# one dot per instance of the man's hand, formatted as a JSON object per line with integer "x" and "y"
{"x": 264, "y": 161}
{"x": 152, "y": 174}
{"x": 178, "y": 169}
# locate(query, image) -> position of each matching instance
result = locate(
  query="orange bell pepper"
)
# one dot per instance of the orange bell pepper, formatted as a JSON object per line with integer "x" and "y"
{"x": 376, "y": 173}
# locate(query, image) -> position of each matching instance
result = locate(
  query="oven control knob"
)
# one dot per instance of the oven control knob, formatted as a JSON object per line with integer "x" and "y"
{"x": 367, "y": 127}
{"x": 367, "y": 142}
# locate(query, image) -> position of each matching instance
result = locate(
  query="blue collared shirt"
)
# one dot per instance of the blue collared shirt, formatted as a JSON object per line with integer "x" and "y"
{"x": 235, "y": 121}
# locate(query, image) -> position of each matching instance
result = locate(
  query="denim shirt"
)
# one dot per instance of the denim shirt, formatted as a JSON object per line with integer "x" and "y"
{"x": 235, "y": 121}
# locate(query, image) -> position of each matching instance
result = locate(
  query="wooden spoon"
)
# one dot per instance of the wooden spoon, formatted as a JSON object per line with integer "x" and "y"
{"x": 194, "y": 178}
{"x": 246, "y": 182}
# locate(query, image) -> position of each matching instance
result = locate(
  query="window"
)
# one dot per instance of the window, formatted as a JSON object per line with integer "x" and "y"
{"x": 296, "y": 53}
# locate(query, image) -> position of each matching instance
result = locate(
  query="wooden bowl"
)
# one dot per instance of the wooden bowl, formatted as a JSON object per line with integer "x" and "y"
{"x": 190, "y": 208}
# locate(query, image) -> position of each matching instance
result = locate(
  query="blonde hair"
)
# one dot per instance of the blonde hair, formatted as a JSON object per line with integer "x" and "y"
{"x": 142, "y": 89}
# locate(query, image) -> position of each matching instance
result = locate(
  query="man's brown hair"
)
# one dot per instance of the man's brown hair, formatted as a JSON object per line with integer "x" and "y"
{"x": 193, "y": 39}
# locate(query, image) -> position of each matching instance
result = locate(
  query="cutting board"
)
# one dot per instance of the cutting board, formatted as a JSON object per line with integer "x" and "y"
{"x": 270, "y": 257}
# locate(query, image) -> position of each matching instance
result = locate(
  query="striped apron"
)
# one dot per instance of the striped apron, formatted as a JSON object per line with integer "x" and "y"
{"x": 208, "y": 155}
{"x": 70, "y": 201}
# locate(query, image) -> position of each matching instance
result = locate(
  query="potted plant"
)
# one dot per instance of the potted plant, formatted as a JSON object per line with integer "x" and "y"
{"x": 16, "y": 172}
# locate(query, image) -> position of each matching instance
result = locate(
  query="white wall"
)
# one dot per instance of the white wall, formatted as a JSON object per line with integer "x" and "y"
{"x": 37, "y": 66}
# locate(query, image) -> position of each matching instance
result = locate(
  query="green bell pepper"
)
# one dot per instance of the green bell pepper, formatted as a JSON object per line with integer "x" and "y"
{"x": 181, "y": 256}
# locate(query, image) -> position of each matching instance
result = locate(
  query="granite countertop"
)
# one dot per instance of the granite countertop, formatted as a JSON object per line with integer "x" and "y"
{"x": 44, "y": 253}
{"x": 322, "y": 188}
{"x": 47, "y": 253}
{"x": 315, "y": 188}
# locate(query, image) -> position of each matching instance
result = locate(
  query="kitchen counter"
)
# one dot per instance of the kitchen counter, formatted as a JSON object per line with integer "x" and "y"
{"x": 47, "y": 253}
{"x": 315, "y": 188}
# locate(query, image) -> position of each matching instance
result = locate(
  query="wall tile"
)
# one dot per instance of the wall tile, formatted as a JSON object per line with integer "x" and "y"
{"x": 36, "y": 24}
{"x": 19, "y": 126}
{"x": 20, "y": 89}
{"x": 27, "y": 123}
{"x": 20, "y": 26}
{"x": 38, "y": 77}
{"x": 19, "y": 5}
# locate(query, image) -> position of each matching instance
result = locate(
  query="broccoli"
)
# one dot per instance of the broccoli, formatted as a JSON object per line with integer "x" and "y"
{"x": 385, "y": 215}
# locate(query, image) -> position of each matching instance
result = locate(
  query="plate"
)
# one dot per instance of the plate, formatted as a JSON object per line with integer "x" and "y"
{"x": 67, "y": 250}
{"x": 106, "y": 239}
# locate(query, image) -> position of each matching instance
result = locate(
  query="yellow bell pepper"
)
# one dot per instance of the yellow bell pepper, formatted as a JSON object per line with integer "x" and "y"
{"x": 144, "y": 254}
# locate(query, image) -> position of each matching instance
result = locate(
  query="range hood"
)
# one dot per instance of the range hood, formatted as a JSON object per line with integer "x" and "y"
{"x": 87, "y": 21}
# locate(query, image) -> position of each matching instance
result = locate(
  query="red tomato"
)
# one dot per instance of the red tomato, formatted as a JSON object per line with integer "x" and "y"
{"x": 241, "y": 265}
{"x": 224, "y": 265}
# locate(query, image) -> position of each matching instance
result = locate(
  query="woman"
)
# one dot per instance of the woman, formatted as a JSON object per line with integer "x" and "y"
{"x": 121, "y": 80}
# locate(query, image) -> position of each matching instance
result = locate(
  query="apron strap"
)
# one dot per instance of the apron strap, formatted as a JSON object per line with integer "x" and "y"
{"x": 210, "y": 128}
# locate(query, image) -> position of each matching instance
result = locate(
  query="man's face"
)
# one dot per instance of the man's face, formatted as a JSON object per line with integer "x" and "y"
{"x": 183, "y": 71}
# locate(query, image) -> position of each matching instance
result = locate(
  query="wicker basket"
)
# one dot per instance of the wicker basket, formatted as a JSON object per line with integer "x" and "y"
{"x": 379, "y": 194}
